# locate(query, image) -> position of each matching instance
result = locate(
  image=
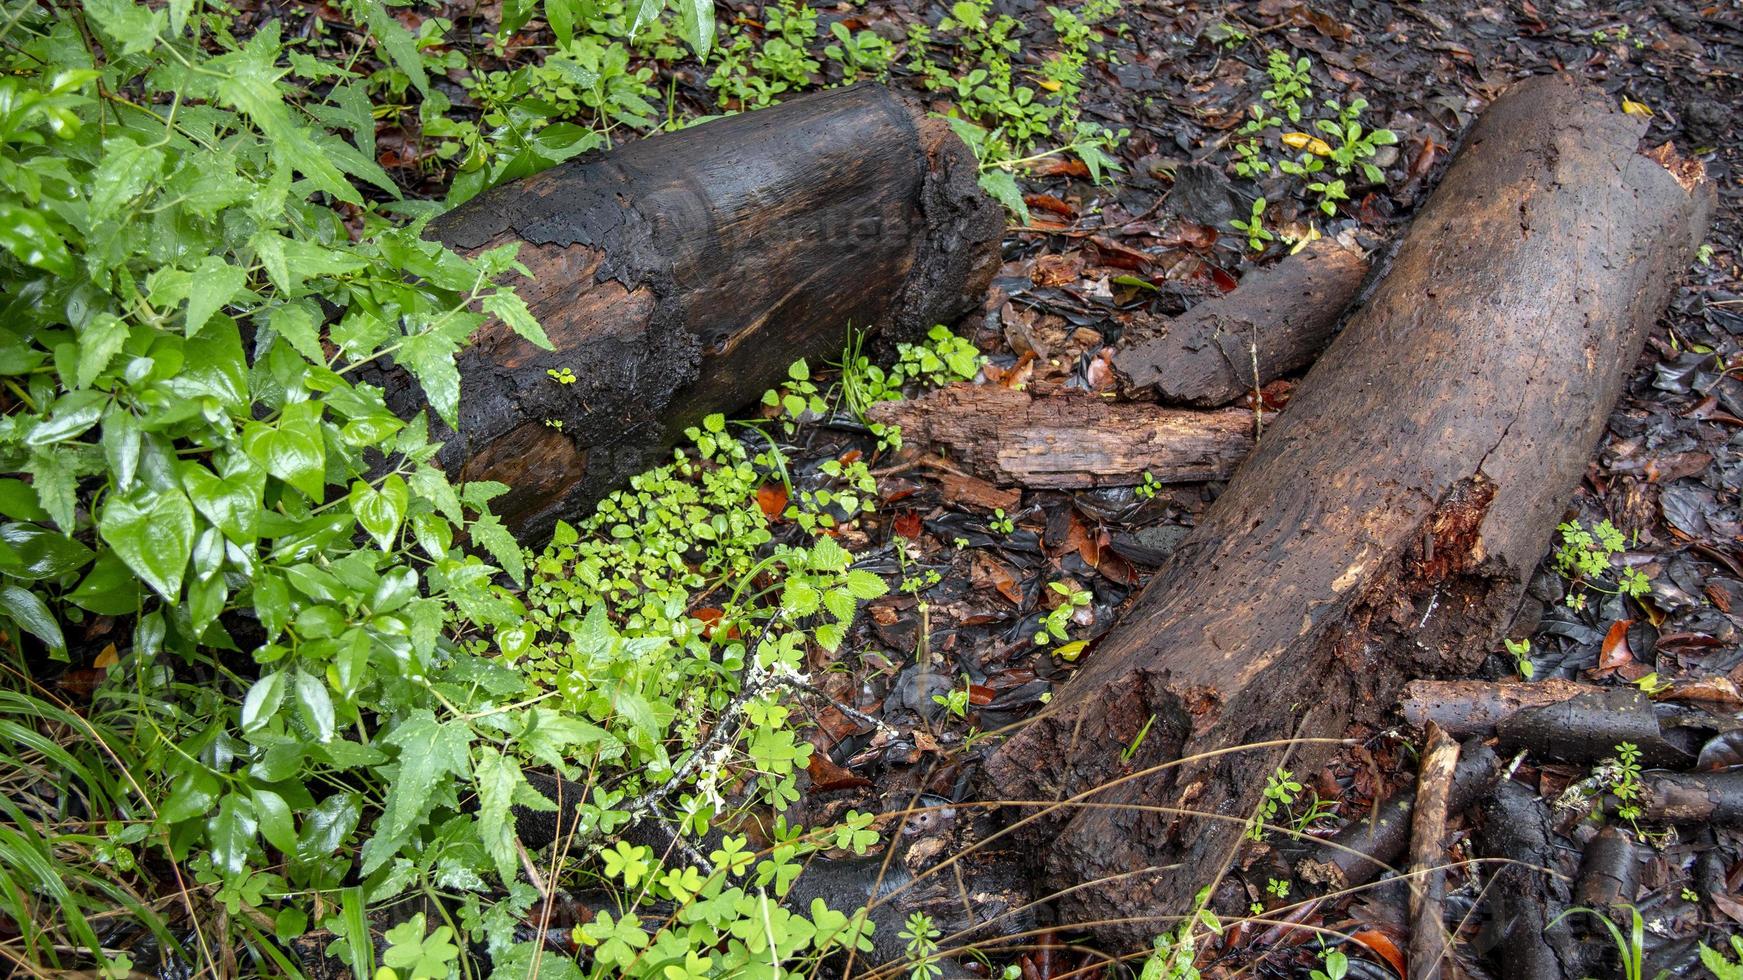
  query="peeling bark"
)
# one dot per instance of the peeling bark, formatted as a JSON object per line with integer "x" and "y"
{"x": 680, "y": 275}
{"x": 1072, "y": 440}
{"x": 1385, "y": 524}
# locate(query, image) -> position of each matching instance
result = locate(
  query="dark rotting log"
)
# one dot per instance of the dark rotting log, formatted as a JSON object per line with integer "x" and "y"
{"x": 1554, "y": 718}
{"x": 1609, "y": 874}
{"x": 1385, "y": 525}
{"x": 1367, "y": 847}
{"x": 1276, "y": 321}
{"x": 1070, "y": 440}
{"x": 1524, "y": 894}
{"x": 680, "y": 275}
{"x": 1428, "y": 939}
{"x": 1692, "y": 798}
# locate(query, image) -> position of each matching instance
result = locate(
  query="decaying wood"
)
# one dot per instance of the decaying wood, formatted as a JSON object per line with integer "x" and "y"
{"x": 1524, "y": 894}
{"x": 1070, "y": 440}
{"x": 1693, "y": 798}
{"x": 680, "y": 275}
{"x": 1428, "y": 940}
{"x": 1366, "y": 847}
{"x": 1609, "y": 875}
{"x": 1555, "y": 718}
{"x": 1276, "y": 321}
{"x": 1386, "y": 523}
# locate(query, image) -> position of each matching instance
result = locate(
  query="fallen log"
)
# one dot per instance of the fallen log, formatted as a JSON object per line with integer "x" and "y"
{"x": 1526, "y": 893}
{"x": 680, "y": 275}
{"x": 1692, "y": 798}
{"x": 1428, "y": 938}
{"x": 1070, "y": 441}
{"x": 1366, "y": 847}
{"x": 1554, "y": 718}
{"x": 1276, "y": 321}
{"x": 1609, "y": 874}
{"x": 1386, "y": 523}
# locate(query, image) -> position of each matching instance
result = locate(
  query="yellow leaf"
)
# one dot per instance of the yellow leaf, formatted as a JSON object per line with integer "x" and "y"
{"x": 1634, "y": 108}
{"x": 1049, "y": 84}
{"x": 1069, "y": 651}
{"x": 106, "y": 659}
{"x": 1308, "y": 142}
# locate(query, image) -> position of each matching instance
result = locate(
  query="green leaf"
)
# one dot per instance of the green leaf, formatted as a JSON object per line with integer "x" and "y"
{"x": 153, "y": 532}
{"x": 192, "y": 795}
{"x": 299, "y": 324}
{"x": 32, "y": 615}
{"x": 262, "y": 701}
{"x": 314, "y": 705}
{"x": 497, "y": 776}
{"x": 40, "y": 553}
{"x": 233, "y": 504}
{"x": 401, "y": 47}
{"x": 56, "y": 486}
{"x": 1003, "y": 188}
{"x": 274, "y": 815}
{"x": 134, "y": 26}
{"x": 293, "y": 449}
{"x": 231, "y": 833}
{"x": 214, "y": 284}
{"x": 127, "y": 168}
{"x": 380, "y": 511}
{"x": 866, "y": 585}
{"x": 505, "y": 305}
{"x": 272, "y": 603}
{"x": 429, "y": 751}
{"x": 697, "y": 21}
{"x": 26, "y": 234}
{"x": 99, "y": 342}
{"x": 109, "y": 589}
{"x": 328, "y": 825}
{"x": 488, "y": 531}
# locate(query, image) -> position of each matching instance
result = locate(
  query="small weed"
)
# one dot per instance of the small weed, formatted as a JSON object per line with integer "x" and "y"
{"x": 921, "y": 937}
{"x": 1001, "y": 524}
{"x": 1622, "y": 774}
{"x": 1585, "y": 558}
{"x": 956, "y": 701}
{"x": 1722, "y": 966}
{"x": 1054, "y": 623}
{"x": 1147, "y": 489}
{"x": 1630, "y": 949}
{"x": 1520, "y": 651}
{"x": 1334, "y": 965}
{"x": 1173, "y": 956}
{"x": 562, "y": 376}
{"x": 1276, "y": 888}
{"x": 1254, "y": 227}
{"x": 1281, "y": 792}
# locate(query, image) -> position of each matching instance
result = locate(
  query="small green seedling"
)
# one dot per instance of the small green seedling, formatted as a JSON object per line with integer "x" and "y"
{"x": 1254, "y": 227}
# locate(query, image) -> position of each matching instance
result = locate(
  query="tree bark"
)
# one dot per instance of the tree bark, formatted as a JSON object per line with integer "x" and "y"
{"x": 680, "y": 275}
{"x": 1555, "y": 718}
{"x": 1275, "y": 322}
{"x": 1071, "y": 441}
{"x": 1386, "y": 523}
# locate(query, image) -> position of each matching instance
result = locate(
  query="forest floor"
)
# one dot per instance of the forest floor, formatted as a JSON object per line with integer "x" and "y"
{"x": 1667, "y": 473}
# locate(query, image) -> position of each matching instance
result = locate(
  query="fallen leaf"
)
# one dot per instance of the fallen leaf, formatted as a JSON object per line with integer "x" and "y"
{"x": 1382, "y": 946}
{"x": 1707, "y": 690}
{"x": 1308, "y": 142}
{"x": 907, "y": 524}
{"x": 826, "y": 775}
{"x": 1634, "y": 108}
{"x": 772, "y": 498}
{"x": 1615, "y": 652}
{"x": 1047, "y": 202}
{"x": 107, "y": 658}
{"x": 1057, "y": 270}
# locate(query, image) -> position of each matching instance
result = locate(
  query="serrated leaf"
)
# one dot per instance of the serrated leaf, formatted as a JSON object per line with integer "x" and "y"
{"x": 866, "y": 585}
{"x": 508, "y": 307}
{"x": 214, "y": 284}
{"x": 429, "y": 751}
{"x": 490, "y": 534}
{"x": 99, "y": 342}
{"x": 497, "y": 776}
{"x": 1003, "y": 188}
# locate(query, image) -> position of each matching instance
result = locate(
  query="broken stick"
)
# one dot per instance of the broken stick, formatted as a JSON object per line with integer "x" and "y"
{"x": 1427, "y": 874}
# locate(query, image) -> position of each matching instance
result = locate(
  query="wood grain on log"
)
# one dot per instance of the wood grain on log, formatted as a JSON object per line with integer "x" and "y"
{"x": 1428, "y": 939}
{"x": 1384, "y": 526}
{"x": 1276, "y": 321}
{"x": 680, "y": 275}
{"x": 1071, "y": 440}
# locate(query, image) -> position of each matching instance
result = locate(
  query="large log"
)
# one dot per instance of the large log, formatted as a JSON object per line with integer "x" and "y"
{"x": 1384, "y": 527}
{"x": 680, "y": 275}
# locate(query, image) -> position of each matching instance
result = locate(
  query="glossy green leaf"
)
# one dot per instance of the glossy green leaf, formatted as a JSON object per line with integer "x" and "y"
{"x": 262, "y": 701}
{"x": 291, "y": 450}
{"x": 153, "y": 532}
{"x": 379, "y": 511}
{"x": 314, "y": 705}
